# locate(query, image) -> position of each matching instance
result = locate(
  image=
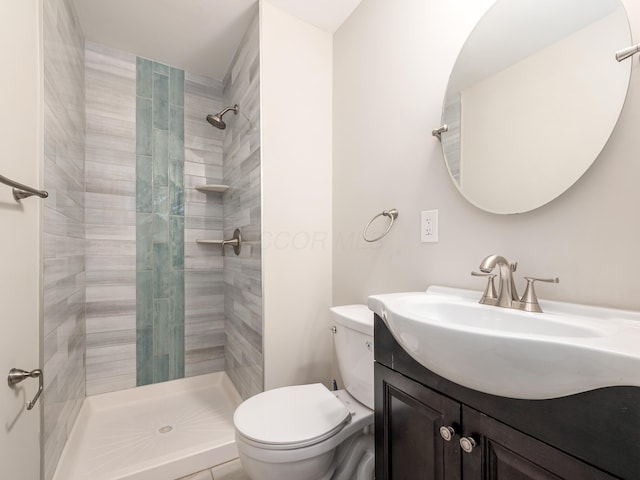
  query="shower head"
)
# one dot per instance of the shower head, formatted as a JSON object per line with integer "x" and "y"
{"x": 216, "y": 120}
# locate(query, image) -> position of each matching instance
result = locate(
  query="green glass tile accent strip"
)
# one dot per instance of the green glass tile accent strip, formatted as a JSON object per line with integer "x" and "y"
{"x": 144, "y": 356}
{"x": 160, "y": 157}
{"x": 160, "y": 232}
{"x": 176, "y": 133}
{"x": 177, "y": 298}
{"x": 177, "y": 242}
{"x": 160, "y": 101}
{"x": 176, "y": 85}
{"x": 176, "y": 188}
{"x": 144, "y": 126}
{"x": 160, "y": 199}
{"x": 161, "y": 269}
{"x": 161, "y": 68}
{"x": 144, "y": 180}
{"x": 176, "y": 357}
{"x": 161, "y": 340}
{"x": 144, "y": 303}
{"x": 160, "y": 368}
{"x": 144, "y": 77}
{"x": 160, "y": 296}
{"x": 144, "y": 241}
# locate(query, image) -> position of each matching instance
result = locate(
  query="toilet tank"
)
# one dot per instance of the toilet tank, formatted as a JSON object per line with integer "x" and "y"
{"x": 353, "y": 339}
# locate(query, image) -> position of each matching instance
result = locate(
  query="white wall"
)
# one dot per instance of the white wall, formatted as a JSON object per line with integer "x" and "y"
{"x": 20, "y": 254}
{"x": 296, "y": 75}
{"x": 391, "y": 65}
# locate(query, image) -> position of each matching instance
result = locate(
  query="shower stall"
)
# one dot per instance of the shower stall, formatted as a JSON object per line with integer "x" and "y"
{"x": 138, "y": 315}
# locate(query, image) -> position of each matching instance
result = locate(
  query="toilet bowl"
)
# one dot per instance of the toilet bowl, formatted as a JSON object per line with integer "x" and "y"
{"x": 307, "y": 432}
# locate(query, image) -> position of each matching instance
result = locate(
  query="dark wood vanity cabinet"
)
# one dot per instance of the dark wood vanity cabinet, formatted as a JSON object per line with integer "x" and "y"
{"x": 408, "y": 420}
{"x": 411, "y": 416}
{"x": 590, "y": 436}
{"x": 504, "y": 453}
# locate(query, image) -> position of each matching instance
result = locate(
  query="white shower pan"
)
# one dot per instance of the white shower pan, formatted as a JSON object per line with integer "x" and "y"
{"x": 156, "y": 432}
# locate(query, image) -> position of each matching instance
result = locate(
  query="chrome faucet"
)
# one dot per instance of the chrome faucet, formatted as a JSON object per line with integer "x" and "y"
{"x": 507, "y": 294}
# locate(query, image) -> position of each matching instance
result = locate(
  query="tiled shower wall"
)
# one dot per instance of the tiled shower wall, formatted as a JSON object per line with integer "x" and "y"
{"x": 64, "y": 238}
{"x": 111, "y": 223}
{"x": 110, "y": 79}
{"x": 203, "y": 275}
{"x": 242, "y": 209}
{"x": 90, "y": 223}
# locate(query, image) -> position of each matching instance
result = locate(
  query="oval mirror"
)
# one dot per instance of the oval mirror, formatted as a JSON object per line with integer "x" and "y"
{"x": 532, "y": 99}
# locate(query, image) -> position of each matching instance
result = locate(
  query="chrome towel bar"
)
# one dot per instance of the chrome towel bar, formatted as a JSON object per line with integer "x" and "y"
{"x": 21, "y": 191}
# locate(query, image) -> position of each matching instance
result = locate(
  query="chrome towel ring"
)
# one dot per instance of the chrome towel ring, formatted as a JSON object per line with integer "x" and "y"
{"x": 392, "y": 214}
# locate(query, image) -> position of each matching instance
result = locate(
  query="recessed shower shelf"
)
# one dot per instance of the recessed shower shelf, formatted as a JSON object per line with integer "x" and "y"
{"x": 212, "y": 188}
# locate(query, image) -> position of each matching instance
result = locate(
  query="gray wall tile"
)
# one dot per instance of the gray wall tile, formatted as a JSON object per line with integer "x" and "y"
{"x": 242, "y": 274}
{"x": 112, "y": 177}
{"x": 64, "y": 230}
{"x": 204, "y": 307}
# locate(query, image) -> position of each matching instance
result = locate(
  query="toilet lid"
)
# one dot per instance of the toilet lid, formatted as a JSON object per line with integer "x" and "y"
{"x": 299, "y": 415}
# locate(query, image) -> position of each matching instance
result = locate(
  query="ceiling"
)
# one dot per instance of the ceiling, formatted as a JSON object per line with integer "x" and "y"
{"x": 325, "y": 14}
{"x": 200, "y": 36}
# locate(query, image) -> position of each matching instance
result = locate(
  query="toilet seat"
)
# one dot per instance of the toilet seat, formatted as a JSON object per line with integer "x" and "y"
{"x": 290, "y": 417}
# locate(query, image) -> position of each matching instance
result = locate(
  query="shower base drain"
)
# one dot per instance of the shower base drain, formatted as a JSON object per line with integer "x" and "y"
{"x": 165, "y": 429}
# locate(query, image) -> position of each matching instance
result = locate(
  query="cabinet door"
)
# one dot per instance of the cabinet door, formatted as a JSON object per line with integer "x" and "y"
{"x": 408, "y": 421}
{"x": 503, "y": 453}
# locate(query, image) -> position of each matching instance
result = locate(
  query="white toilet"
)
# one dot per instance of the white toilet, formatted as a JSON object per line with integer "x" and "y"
{"x": 307, "y": 432}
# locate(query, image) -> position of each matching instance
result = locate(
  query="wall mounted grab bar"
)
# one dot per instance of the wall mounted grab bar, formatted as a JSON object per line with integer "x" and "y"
{"x": 21, "y": 191}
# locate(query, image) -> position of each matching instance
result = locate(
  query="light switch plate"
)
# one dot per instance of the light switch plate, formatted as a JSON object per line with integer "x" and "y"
{"x": 429, "y": 226}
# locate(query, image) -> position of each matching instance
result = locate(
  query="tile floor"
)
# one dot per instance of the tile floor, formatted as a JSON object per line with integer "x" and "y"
{"x": 227, "y": 471}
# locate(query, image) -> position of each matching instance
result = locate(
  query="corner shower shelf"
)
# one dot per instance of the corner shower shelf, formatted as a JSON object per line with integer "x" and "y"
{"x": 212, "y": 188}
{"x": 235, "y": 242}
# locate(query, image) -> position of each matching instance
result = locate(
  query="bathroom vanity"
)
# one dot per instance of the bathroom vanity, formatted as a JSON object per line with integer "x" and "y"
{"x": 588, "y": 436}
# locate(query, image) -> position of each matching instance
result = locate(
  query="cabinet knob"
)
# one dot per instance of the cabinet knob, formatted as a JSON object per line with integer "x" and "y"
{"x": 467, "y": 444}
{"x": 447, "y": 433}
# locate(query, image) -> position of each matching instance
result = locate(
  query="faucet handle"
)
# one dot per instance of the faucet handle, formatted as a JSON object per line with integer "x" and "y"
{"x": 529, "y": 298}
{"x": 489, "y": 296}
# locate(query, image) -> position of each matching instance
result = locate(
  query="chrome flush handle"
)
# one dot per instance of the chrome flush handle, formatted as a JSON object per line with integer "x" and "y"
{"x": 17, "y": 375}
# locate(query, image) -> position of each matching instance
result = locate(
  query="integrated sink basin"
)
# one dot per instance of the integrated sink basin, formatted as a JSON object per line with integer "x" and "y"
{"x": 567, "y": 349}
